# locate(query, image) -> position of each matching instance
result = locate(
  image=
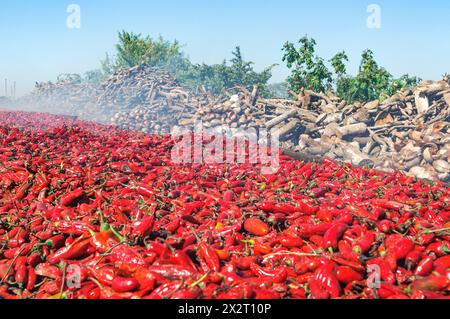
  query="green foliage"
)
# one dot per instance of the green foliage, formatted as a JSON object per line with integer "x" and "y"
{"x": 405, "y": 81}
{"x": 370, "y": 83}
{"x": 308, "y": 70}
{"x": 133, "y": 49}
{"x": 218, "y": 77}
{"x": 338, "y": 63}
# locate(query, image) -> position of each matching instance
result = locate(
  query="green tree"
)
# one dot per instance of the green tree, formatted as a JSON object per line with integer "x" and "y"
{"x": 218, "y": 77}
{"x": 241, "y": 73}
{"x": 405, "y": 81}
{"x": 372, "y": 82}
{"x": 308, "y": 70}
{"x": 134, "y": 49}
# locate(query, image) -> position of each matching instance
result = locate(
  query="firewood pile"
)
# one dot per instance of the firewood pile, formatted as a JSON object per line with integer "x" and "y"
{"x": 149, "y": 100}
{"x": 142, "y": 98}
{"x": 409, "y": 131}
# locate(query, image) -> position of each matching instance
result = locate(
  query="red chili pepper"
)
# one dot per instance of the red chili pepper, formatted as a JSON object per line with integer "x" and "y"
{"x": 121, "y": 284}
{"x": 346, "y": 251}
{"x": 412, "y": 259}
{"x": 22, "y": 191}
{"x": 265, "y": 294}
{"x": 165, "y": 291}
{"x": 187, "y": 293}
{"x": 403, "y": 247}
{"x": 209, "y": 256}
{"x": 425, "y": 239}
{"x": 190, "y": 208}
{"x": 256, "y": 227}
{"x": 424, "y": 267}
{"x": 317, "y": 289}
{"x": 69, "y": 198}
{"x": 442, "y": 264}
{"x": 73, "y": 227}
{"x": 47, "y": 270}
{"x": 145, "y": 190}
{"x": 304, "y": 278}
{"x": 181, "y": 258}
{"x": 386, "y": 226}
{"x": 172, "y": 226}
{"x": 387, "y": 290}
{"x": 73, "y": 251}
{"x": 103, "y": 240}
{"x": 433, "y": 283}
{"x": 385, "y": 271}
{"x": 290, "y": 241}
{"x": 332, "y": 235}
{"x": 352, "y": 264}
{"x": 308, "y": 230}
{"x": 347, "y": 275}
{"x": 277, "y": 275}
{"x": 421, "y": 294}
{"x": 55, "y": 242}
{"x": 31, "y": 283}
{"x": 21, "y": 275}
{"x": 326, "y": 276}
{"x": 105, "y": 274}
{"x": 318, "y": 192}
{"x": 127, "y": 258}
{"x": 143, "y": 227}
{"x": 388, "y": 204}
{"x": 439, "y": 248}
{"x": 365, "y": 243}
{"x": 305, "y": 208}
{"x": 269, "y": 207}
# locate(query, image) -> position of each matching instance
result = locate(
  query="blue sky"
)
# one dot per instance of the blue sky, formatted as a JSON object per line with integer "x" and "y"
{"x": 36, "y": 45}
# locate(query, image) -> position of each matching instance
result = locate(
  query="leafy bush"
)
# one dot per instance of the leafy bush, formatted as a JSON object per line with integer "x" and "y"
{"x": 133, "y": 49}
{"x": 310, "y": 72}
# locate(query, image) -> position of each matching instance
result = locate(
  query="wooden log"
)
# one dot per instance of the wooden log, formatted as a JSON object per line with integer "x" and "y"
{"x": 280, "y": 119}
{"x": 353, "y": 155}
{"x": 307, "y": 115}
{"x": 254, "y": 95}
{"x": 302, "y": 156}
{"x": 288, "y": 128}
{"x": 353, "y": 129}
{"x": 422, "y": 102}
{"x": 320, "y": 96}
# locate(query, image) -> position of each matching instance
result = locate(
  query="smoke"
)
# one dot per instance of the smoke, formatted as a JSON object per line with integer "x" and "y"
{"x": 67, "y": 98}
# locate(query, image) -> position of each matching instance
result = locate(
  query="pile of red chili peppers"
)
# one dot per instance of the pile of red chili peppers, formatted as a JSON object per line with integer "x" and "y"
{"x": 90, "y": 211}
